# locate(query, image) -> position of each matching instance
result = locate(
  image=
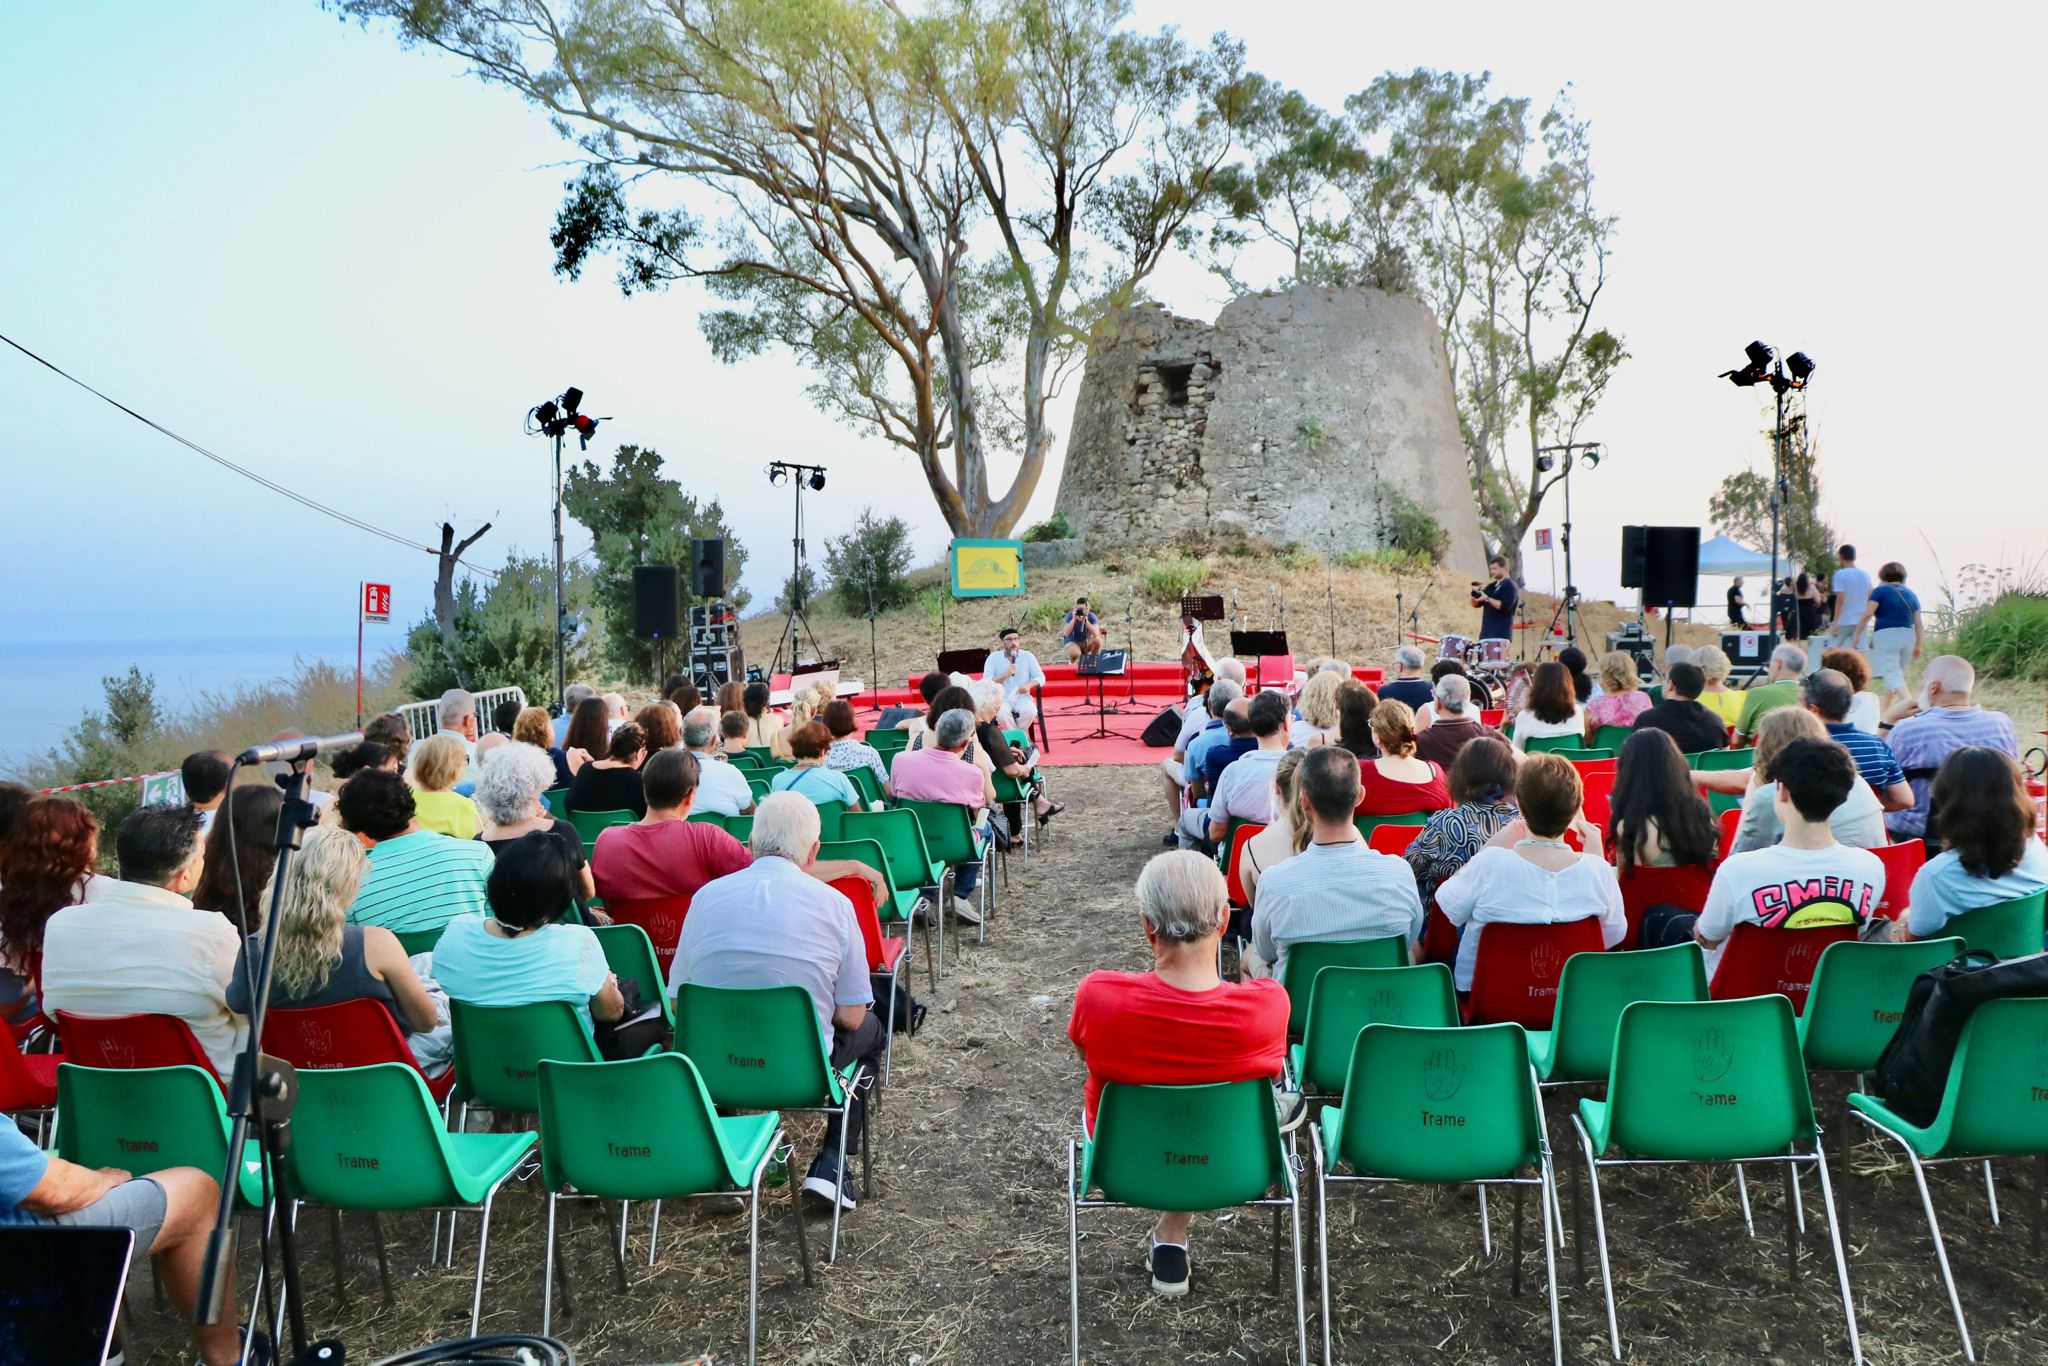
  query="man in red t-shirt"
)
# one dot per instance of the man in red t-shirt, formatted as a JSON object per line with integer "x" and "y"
{"x": 668, "y": 854}
{"x": 1138, "y": 1027}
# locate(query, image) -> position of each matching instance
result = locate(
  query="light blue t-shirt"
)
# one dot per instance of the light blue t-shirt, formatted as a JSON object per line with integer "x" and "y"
{"x": 1215, "y": 733}
{"x": 22, "y": 1165}
{"x": 553, "y": 963}
{"x": 1943, "y": 888}
{"x": 817, "y": 785}
{"x": 1854, "y": 586}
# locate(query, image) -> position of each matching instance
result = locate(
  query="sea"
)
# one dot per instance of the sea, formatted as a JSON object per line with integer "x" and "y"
{"x": 47, "y": 686}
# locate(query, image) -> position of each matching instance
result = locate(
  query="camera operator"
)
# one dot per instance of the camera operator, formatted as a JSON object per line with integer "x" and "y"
{"x": 1497, "y": 602}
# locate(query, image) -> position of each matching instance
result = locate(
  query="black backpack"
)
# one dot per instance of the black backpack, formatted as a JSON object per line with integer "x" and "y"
{"x": 1913, "y": 1071}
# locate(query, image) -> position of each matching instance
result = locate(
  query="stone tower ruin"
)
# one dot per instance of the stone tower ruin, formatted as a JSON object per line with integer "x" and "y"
{"x": 1303, "y": 416}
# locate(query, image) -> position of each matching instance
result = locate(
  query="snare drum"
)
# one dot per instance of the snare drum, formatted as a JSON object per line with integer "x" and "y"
{"x": 1493, "y": 653}
{"x": 1460, "y": 648}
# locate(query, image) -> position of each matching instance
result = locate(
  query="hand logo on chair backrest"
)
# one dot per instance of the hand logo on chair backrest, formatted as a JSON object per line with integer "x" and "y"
{"x": 1442, "y": 1074}
{"x": 317, "y": 1039}
{"x": 117, "y": 1054}
{"x": 1384, "y": 1007}
{"x": 1544, "y": 961}
{"x": 1712, "y": 1055}
{"x": 1799, "y": 959}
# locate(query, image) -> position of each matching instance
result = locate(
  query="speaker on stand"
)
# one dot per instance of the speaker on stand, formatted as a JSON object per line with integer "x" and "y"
{"x": 657, "y": 609}
{"x": 1671, "y": 570}
{"x": 707, "y": 566}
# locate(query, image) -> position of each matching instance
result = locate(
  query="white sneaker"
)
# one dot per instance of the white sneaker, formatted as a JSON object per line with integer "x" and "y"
{"x": 963, "y": 911}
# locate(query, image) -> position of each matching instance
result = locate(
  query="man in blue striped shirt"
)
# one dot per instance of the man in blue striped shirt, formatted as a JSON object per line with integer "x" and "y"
{"x": 419, "y": 879}
{"x": 1828, "y": 694}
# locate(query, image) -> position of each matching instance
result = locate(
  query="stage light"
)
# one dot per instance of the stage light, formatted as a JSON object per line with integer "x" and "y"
{"x": 1590, "y": 457}
{"x": 777, "y": 475}
{"x": 817, "y": 481}
{"x": 1545, "y": 464}
{"x": 1756, "y": 371}
{"x": 1800, "y": 365}
{"x": 546, "y": 413}
{"x": 572, "y": 400}
{"x": 586, "y": 427}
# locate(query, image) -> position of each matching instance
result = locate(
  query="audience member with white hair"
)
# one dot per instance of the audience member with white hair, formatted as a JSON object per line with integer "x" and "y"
{"x": 1018, "y": 762}
{"x": 1780, "y": 688}
{"x": 509, "y": 798}
{"x": 1454, "y": 722}
{"x": 1407, "y": 685}
{"x": 1924, "y": 733}
{"x": 455, "y": 714}
{"x": 1199, "y": 715}
{"x": 1676, "y": 654}
{"x": 487, "y": 744}
{"x": 721, "y": 788}
{"x": 1135, "y": 1028}
{"x": 770, "y": 925}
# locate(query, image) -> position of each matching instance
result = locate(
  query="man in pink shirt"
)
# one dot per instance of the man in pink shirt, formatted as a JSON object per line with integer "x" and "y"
{"x": 940, "y": 771}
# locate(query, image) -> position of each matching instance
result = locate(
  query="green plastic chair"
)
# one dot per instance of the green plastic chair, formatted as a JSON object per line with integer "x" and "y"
{"x": 1858, "y": 995}
{"x": 1010, "y": 791}
{"x": 761, "y": 1049}
{"x": 1655, "y": 692}
{"x": 630, "y": 953}
{"x": 656, "y": 1137}
{"x": 883, "y": 741}
{"x": 950, "y": 838}
{"x": 757, "y": 783}
{"x": 902, "y": 839}
{"x": 1344, "y": 1001}
{"x": 2010, "y": 929}
{"x": 830, "y": 813}
{"x": 1439, "y": 1106}
{"x": 590, "y": 824}
{"x": 716, "y": 818}
{"x": 1721, "y": 761}
{"x": 747, "y": 758}
{"x": 1708, "y": 1081}
{"x": 557, "y": 799}
{"x": 1367, "y": 824}
{"x": 498, "y": 1052}
{"x": 1183, "y": 1148}
{"x": 740, "y": 828}
{"x": 1306, "y": 959}
{"x": 1611, "y": 738}
{"x": 149, "y": 1119}
{"x": 1592, "y": 993}
{"x": 370, "y": 1138}
{"x": 420, "y": 941}
{"x": 1550, "y": 744}
{"x": 1990, "y": 1108}
{"x": 868, "y": 785}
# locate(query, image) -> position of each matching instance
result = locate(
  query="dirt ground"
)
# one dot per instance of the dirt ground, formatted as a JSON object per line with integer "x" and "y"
{"x": 959, "y": 1253}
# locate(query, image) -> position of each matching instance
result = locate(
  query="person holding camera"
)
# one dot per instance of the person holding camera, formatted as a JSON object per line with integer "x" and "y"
{"x": 1497, "y": 601}
{"x": 1082, "y": 631}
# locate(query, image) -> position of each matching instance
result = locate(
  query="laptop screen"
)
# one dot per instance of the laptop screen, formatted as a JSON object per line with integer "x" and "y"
{"x": 59, "y": 1290}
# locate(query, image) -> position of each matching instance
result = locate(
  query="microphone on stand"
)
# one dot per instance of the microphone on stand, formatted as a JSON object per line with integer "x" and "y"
{"x": 296, "y": 750}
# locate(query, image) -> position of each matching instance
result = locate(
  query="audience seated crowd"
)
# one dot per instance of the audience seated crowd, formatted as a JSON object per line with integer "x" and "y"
{"x": 1857, "y": 819}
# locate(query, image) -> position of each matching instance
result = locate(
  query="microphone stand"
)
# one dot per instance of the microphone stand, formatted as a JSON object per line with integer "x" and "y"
{"x": 1130, "y": 644}
{"x": 1415, "y": 613}
{"x": 262, "y": 1094}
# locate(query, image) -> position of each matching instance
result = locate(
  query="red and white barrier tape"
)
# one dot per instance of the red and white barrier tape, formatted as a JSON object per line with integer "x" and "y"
{"x": 104, "y": 782}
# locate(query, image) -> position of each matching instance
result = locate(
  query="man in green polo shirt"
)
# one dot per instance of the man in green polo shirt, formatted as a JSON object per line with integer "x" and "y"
{"x": 1780, "y": 688}
{"x": 419, "y": 879}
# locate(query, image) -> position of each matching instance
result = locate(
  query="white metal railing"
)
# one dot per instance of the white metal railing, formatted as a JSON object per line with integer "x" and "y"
{"x": 421, "y": 720}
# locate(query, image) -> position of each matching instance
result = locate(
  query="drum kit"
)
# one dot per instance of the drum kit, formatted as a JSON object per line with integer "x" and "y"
{"x": 1490, "y": 654}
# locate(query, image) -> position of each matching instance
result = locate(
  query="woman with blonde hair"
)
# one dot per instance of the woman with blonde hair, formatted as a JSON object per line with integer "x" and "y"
{"x": 1318, "y": 707}
{"x": 803, "y": 709}
{"x": 1397, "y": 783}
{"x": 1284, "y": 837}
{"x": 1621, "y": 698}
{"x": 438, "y": 763}
{"x": 322, "y": 960}
{"x": 1858, "y": 821}
{"x": 1718, "y": 698}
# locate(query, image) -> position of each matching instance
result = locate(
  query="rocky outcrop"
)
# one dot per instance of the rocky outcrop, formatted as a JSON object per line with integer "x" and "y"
{"x": 1304, "y": 416}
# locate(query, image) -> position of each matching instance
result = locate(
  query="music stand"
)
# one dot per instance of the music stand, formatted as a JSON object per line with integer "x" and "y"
{"x": 1259, "y": 645}
{"x": 1105, "y": 665}
{"x": 967, "y": 662}
{"x": 61, "y": 1297}
{"x": 1201, "y": 608}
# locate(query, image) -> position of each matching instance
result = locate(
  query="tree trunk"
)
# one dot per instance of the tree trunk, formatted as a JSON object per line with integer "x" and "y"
{"x": 444, "y": 591}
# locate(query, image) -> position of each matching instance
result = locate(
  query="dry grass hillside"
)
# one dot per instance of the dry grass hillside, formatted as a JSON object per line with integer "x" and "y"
{"x": 1358, "y": 602}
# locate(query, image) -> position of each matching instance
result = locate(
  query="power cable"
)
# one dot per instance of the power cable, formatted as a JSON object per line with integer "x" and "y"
{"x": 247, "y": 473}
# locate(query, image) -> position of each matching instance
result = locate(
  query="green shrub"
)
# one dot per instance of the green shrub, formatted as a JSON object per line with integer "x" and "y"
{"x": 1297, "y": 557}
{"x": 1407, "y": 525}
{"x": 874, "y": 556}
{"x": 1044, "y": 615}
{"x": 2007, "y": 638}
{"x": 1166, "y": 580}
{"x": 1054, "y": 528}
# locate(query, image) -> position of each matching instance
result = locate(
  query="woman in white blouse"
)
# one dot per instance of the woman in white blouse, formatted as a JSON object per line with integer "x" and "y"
{"x": 1553, "y": 708}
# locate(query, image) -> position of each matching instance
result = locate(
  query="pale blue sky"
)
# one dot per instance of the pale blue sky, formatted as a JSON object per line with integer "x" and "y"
{"x": 327, "y": 257}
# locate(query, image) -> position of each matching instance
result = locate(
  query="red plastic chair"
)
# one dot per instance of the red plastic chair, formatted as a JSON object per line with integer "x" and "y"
{"x": 1731, "y": 820}
{"x": 1274, "y": 671}
{"x": 19, "y": 1030}
{"x": 131, "y": 1041}
{"x": 885, "y": 954}
{"x": 1599, "y": 783}
{"x": 358, "y": 1033}
{"x": 28, "y": 1081}
{"x": 1238, "y": 839}
{"x": 1761, "y": 962}
{"x": 1492, "y": 716}
{"x": 660, "y": 916}
{"x": 1393, "y": 839}
{"x": 1685, "y": 887}
{"x": 1515, "y": 976}
{"x": 1439, "y": 938}
{"x": 1902, "y": 862}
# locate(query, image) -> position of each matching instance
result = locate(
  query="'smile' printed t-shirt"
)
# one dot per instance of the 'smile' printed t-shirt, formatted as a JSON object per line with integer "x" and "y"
{"x": 1131, "y": 1027}
{"x": 1790, "y": 889}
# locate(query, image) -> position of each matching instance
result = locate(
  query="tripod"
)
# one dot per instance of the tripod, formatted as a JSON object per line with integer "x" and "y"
{"x": 798, "y": 475}
{"x": 1567, "y": 612}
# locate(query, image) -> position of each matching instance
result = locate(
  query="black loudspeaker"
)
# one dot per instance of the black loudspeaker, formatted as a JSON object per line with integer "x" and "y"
{"x": 1632, "y": 557}
{"x": 707, "y": 566}
{"x": 657, "y": 604}
{"x": 1163, "y": 729}
{"x": 1671, "y": 566}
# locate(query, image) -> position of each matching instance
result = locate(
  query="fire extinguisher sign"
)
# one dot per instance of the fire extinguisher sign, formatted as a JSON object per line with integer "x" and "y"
{"x": 376, "y": 602}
